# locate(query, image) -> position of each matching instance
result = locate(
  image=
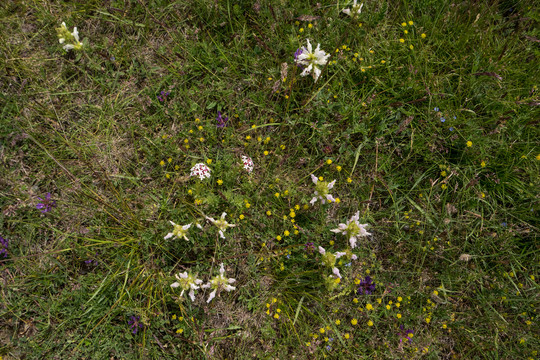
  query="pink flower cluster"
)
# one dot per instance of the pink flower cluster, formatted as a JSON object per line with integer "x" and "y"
{"x": 248, "y": 163}
{"x": 200, "y": 170}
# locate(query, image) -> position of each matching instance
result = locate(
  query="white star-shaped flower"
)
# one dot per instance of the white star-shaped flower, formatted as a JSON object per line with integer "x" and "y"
{"x": 353, "y": 229}
{"x": 321, "y": 192}
{"x": 221, "y": 224}
{"x": 311, "y": 60}
{"x": 218, "y": 283}
{"x": 355, "y": 10}
{"x": 200, "y": 170}
{"x": 187, "y": 282}
{"x": 180, "y": 231}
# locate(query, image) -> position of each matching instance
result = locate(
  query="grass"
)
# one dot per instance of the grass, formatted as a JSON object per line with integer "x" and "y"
{"x": 433, "y": 140}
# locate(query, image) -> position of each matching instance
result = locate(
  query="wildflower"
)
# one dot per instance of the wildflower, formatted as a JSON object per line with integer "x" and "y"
{"x": 354, "y": 321}
{"x": 163, "y": 96}
{"x": 221, "y": 121}
{"x": 354, "y": 10}
{"x": 208, "y": 161}
{"x": 353, "y": 229}
{"x": 403, "y": 24}
{"x": 219, "y": 282}
{"x": 46, "y": 204}
{"x": 411, "y": 22}
{"x": 187, "y": 282}
{"x": 179, "y": 231}
{"x": 402, "y": 40}
{"x": 220, "y": 182}
{"x": 71, "y": 39}
{"x": 248, "y": 163}
{"x": 469, "y": 143}
{"x": 4, "y": 243}
{"x": 200, "y": 170}
{"x": 329, "y": 162}
{"x": 423, "y": 36}
{"x": 321, "y": 191}
{"x": 309, "y": 247}
{"x": 367, "y": 286}
{"x": 312, "y": 59}
{"x": 329, "y": 259}
{"x": 221, "y": 224}
{"x": 370, "y": 323}
{"x": 135, "y": 324}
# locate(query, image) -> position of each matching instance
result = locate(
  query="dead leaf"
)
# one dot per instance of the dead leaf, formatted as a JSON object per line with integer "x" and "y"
{"x": 489, "y": 73}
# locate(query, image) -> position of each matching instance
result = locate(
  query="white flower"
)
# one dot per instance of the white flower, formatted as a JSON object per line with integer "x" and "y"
{"x": 311, "y": 60}
{"x": 221, "y": 224}
{"x": 353, "y": 229}
{"x": 179, "y": 231}
{"x": 71, "y": 39}
{"x": 219, "y": 282}
{"x": 187, "y": 282}
{"x": 321, "y": 191}
{"x": 248, "y": 163}
{"x": 200, "y": 170}
{"x": 356, "y": 9}
{"x": 329, "y": 259}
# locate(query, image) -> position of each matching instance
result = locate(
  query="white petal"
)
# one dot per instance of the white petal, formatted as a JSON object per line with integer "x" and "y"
{"x": 173, "y": 224}
{"x": 192, "y": 295}
{"x": 221, "y": 235}
{"x": 68, "y": 47}
{"x": 175, "y": 285}
{"x": 316, "y": 73}
{"x": 314, "y": 179}
{"x": 331, "y": 185}
{"x": 354, "y": 257}
{"x": 231, "y": 281}
{"x": 75, "y": 34}
{"x": 212, "y": 295}
{"x": 309, "y": 48}
{"x": 210, "y": 219}
{"x": 336, "y": 272}
{"x": 206, "y": 286}
{"x": 330, "y": 197}
{"x": 313, "y": 201}
{"x": 61, "y": 40}
{"x": 321, "y": 250}
{"x": 307, "y": 70}
{"x": 337, "y": 231}
{"x": 168, "y": 236}
{"x": 352, "y": 241}
{"x": 183, "y": 275}
{"x": 229, "y": 287}
{"x": 182, "y": 293}
{"x": 185, "y": 227}
{"x": 222, "y": 269}
{"x": 356, "y": 216}
{"x": 340, "y": 254}
{"x": 199, "y": 226}
{"x": 347, "y": 11}
{"x": 223, "y": 215}
{"x": 198, "y": 281}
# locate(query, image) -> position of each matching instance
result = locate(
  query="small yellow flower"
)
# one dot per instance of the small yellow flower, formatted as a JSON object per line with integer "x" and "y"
{"x": 301, "y": 30}
{"x": 168, "y": 176}
{"x": 428, "y": 320}
{"x": 310, "y": 26}
{"x": 443, "y": 186}
{"x": 248, "y": 205}
{"x": 329, "y": 161}
{"x": 411, "y": 47}
{"x": 321, "y": 178}
{"x": 410, "y": 22}
{"x": 321, "y": 330}
{"x": 278, "y": 238}
{"x": 276, "y": 194}
{"x": 286, "y": 233}
{"x": 370, "y": 323}
{"x": 190, "y": 131}
{"x": 162, "y": 163}
{"x": 402, "y": 40}
{"x": 190, "y": 191}
{"x": 398, "y": 316}
{"x": 538, "y": 157}
{"x": 338, "y": 322}
{"x": 268, "y": 213}
{"x": 483, "y": 164}
{"x": 444, "y": 326}
{"x": 354, "y": 321}
{"x": 248, "y": 137}
{"x": 338, "y": 200}
{"x": 265, "y": 153}
{"x": 181, "y": 318}
{"x": 296, "y": 232}
{"x": 469, "y": 143}
{"x": 388, "y": 307}
{"x": 220, "y": 182}
{"x": 405, "y": 32}
{"x": 331, "y": 242}
{"x": 400, "y": 299}
{"x": 355, "y": 300}
{"x": 241, "y": 217}
{"x": 349, "y": 180}
{"x": 308, "y": 344}
{"x": 443, "y": 173}
{"x": 201, "y": 139}
{"x": 174, "y": 317}
{"x": 369, "y": 307}
{"x": 423, "y": 36}
{"x": 179, "y": 331}
{"x": 338, "y": 168}
{"x": 276, "y": 316}
{"x": 282, "y": 147}
{"x": 199, "y": 128}
{"x": 403, "y": 24}
{"x": 398, "y": 304}
{"x": 347, "y": 336}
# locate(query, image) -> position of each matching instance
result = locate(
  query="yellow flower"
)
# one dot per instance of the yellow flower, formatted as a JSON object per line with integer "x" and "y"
{"x": 266, "y": 153}
{"x": 435, "y": 292}
{"x": 403, "y": 24}
{"x": 483, "y": 164}
{"x": 276, "y": 316}
{"x": 388, "y": 307}
{"x": 369, "y": 307}
{"x": 278, "y": 238}
{"x": 321, "y": 330}
{"x": 310, "y": 26}
{"x": 402, "y": 40}
{"x": 308, "y": 344}
{"x": 241, "y": 217}
{"x": 398, "y": 316}
{"x": 174, "y": 317}
{"x": 349, "y": 180}
{"x": 286, "y": 233}
{"x": 370, "y": 323}
{"x": 338, "y": 322}
{"x": 423, "y": 36}
{"x": 248, "y": 205}
{"x": 354, "y": 321}
{"x": 282, "y": 147}
{"x": 405, "y": 32}
{"x": 201, "y": 139}
{"x": 338, "y": 168}
{"x": 168, "y": 176}
{"x": 469, "y": 143}
{"x": 443, "y": 173}
{"x": 301, "y": 30}
{"x": 399, "y": 299}
{"x": 329, "y": 161}
{"x": 268, "y": 213}
{"x": 428, "y": 320}
{"x": 200, "y": 128}
{"x": 347, "y": 336}
{"x": 538, "y": 157}
{"x": 443, "y": 186}
{"x": 179, "y": 331}
{"x": 411, "y": 47}
{"x": 410, "y": 22}
{"x": 276, "y": 194}
{"x": 220, "y": 182}
{"x": 162, "y": 163}
{"x": 249, "y": 137}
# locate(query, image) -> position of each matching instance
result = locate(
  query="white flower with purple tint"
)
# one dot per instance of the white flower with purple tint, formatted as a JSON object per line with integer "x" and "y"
{"x": 221, "y": 224}
{"x": 187, "y": 282}
{"x": 201, "y": 171}
{"x": 354, "y": 10}
{"x": 248, "y": 163}
{"x": 311, "y": 60}
{"x": 180, "y": 231}
{"x": 218, "y": 283}
{"x": 352, "y": 229}
{"x": 321, "y": 192}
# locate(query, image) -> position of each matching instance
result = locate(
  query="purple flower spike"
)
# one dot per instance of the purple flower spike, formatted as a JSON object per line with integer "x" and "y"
{"x": 46, "y": 204}
{"x": 309, "y": 247}
{"x": 134, "y": 323}
{"x": 296, "y": 54}
{"x": 222, "y": 122}
{"x": 367, "y": 286}
{"x": 4, "y": 243}
{"x": 405, "y": 334}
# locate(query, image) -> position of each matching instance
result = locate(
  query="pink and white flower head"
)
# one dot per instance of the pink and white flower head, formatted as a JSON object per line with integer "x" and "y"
{"x": 329, "y": 259}
{"x": 321, "y": 192}
{"x": 218, "y": 283}
{"x": 311, "y": 60}
{"x": 187, "y": 282}
{"x": 354, "y": 10}
{"x": 179, "y": 231}
{"x": 353, "y": 229}
{"x": 200, "y": 170}
{"x": 248, "y": 163}
{"x": 221, "y": 224}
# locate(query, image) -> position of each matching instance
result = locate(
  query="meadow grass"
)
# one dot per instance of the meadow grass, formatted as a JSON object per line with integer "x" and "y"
{"x": 426, "y": 115}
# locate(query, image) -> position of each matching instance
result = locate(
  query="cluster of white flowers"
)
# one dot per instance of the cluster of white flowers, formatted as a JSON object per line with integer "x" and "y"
{"x": 200, "y": 170}
{"x": 221, "y": 224}
{"x": 353, "y": 229}
{"x": 70, "y": 39}
{"x": 248, "y": 163}
{"x": 311, "y": 60}
{"x": 355, "y": 9}
{"x": 329, "y": 259}
{"x": 179, "y": 231}
{"x": 321, "y": 192}
{"x": 187, "y": 281}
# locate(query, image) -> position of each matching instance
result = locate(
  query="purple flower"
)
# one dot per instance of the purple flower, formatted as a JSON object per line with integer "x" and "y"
{"x": 309, "y": 247}
{"x": 3, "y": 246}
{"x": 367, "y": 286}
{"x": 296, "y": 54}
{"x": 222, "y": 122}
{"x": 435, "y": 109}
{"x": 47, "y": 204}
{"x": 135, "y": 324}
{"x": 443, "y": 119}
{"x": 163, "y": 96}
{"x": 407, "y": 334}
{"x": 451, "y": 129}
